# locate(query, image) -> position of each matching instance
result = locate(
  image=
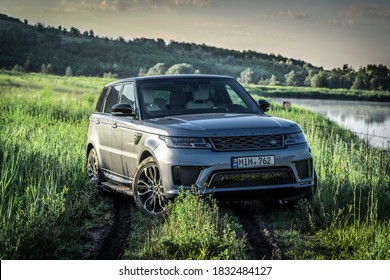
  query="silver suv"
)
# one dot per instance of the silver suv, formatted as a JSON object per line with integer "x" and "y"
{"x": 151, "y": 136}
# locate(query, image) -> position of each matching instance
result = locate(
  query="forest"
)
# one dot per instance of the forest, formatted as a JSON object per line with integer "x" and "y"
{"x": 57, "y": 50}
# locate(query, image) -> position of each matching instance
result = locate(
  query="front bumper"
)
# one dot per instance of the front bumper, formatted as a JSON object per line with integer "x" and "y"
{"x": 210, "y": 172}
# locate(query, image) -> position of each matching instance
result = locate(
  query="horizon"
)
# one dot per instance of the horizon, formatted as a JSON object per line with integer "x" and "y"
{"x": 351, "y": 32}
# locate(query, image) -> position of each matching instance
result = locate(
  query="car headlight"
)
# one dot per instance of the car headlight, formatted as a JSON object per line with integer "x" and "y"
{"x": 185, "y": 142}
{"x": 295, "y": 138}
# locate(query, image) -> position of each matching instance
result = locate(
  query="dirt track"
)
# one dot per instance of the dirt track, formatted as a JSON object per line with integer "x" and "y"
{"x": 113, "y": 240}
{"x": 261, "y": 244}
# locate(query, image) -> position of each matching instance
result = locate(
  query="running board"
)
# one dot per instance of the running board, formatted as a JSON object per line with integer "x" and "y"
{"x": 118, "y": 188}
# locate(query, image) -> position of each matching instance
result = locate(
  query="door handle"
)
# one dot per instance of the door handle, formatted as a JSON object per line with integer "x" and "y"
{"x": 97, "y": 121}
{"x": 114, "y": 125}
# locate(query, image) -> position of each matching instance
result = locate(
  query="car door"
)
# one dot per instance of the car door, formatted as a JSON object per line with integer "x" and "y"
{"x": 126, "y": 136}
{"x": 111, "y": 137}
{"x": 104, "y": 126}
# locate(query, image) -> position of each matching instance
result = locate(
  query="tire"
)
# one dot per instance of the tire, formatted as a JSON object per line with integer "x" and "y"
{"x": 148, "y": 191}
{"x": 93, "y": 168}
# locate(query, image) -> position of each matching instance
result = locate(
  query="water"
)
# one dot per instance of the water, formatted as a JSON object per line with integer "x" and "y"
{"x": 368, "y": 120}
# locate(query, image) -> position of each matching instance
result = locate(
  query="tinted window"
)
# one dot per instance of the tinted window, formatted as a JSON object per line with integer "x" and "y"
{"x": 99, "y": 105}
{"x": 112, "y": 98}
{"x": 127, "y": 95}
{"x": 234, "y": 97}
{"x": 193, "y": 96}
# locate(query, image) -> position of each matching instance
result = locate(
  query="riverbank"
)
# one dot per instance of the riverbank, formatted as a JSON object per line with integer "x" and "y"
{"x": 318, "y": 93}
{"x": 348, "y": 217}
{"x": 369, "y": 120}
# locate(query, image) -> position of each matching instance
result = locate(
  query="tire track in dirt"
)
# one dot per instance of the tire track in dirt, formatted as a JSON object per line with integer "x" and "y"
{"x": 261, "y": 243}
{"x": 114, "y": 240}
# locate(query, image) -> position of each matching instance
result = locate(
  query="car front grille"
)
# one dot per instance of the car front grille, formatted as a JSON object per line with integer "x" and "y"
{"x": 242, "y": 143}
{"x": 251, "y": 178}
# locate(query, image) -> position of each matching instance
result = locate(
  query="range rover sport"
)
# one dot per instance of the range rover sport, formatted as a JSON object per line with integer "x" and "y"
{"x": 150, "y": 136}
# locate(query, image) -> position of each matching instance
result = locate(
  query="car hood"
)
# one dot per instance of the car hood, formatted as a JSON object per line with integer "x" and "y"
{"x": 219, "y": 124}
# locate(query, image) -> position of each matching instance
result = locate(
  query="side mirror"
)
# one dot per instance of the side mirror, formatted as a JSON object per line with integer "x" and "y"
{"x": 264, "y": 105}
{"x": 122, "y": 110}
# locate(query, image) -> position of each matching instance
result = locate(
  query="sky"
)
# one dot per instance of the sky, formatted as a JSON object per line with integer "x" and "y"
{"x": 327, "y": 33}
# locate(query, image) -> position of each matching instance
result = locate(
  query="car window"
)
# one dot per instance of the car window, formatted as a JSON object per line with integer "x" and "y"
{"x": 193, "y": 96}
{"x": 112, "y": 98}
{"x": 99, "y": 105}
{"x": 234, "y": 97}
{"x": 127, "y": 95}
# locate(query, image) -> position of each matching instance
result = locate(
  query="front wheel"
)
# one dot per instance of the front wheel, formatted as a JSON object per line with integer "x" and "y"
{"x": 93, "y": 168}
{"x": 148, "y": 190}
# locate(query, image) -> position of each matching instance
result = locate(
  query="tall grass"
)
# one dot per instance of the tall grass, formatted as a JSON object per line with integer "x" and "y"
{"x": 194, "y": 229}
{"x": 47, "y": 205}
{"x": 45, "y": 198}
{"x": 353, "y": 197}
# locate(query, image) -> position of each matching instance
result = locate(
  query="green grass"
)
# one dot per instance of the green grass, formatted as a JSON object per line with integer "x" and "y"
{"x": 319, "y": 93}
{"x": 194, "y": 229}
{"x": 45, "y": 198}
{"x": 47, "y": 206}
{"x": 348, "y": 218}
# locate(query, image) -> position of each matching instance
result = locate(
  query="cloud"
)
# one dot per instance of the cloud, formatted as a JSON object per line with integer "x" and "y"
{"x": 368, "y": 10}
{"x": 363, "y": 14}
{"x": 93, "y": 5}
{"x": 123, "y": 5}
{"x": 195, "y": 3}
{"x": 346, "y": 22}
{"x": 294, "y": 15}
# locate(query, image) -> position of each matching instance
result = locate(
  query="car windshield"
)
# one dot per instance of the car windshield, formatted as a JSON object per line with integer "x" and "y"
{"x": 160, "y": 98}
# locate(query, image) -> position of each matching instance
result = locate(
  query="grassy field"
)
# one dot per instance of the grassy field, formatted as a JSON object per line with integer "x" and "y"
{"x": 348, "y": 218}
{"x": 47, "y": 206}
{"x": 319, "y": 93}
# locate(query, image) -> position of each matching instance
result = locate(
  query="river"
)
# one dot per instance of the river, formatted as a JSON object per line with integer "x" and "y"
{"x": 368, "y": 120}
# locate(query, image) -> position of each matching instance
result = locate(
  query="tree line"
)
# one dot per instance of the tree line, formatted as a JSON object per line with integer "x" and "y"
{"x": 56, "y": 50}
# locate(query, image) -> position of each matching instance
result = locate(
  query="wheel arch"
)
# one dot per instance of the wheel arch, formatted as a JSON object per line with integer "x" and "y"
{"x": 145, "y": 154}
{"x": 90, "y": 146}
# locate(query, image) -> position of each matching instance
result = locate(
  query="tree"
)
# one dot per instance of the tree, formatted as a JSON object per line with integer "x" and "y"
{"x": 27, "y": 65}
{"x": 358, "y": 83}
{"x": 334, "y": 79}
{"x": 291, "y": 79}
{"x": 379, "y": 77}
{"x": 17, "y": 68}
{"x": 158, "y": 69}
{"x": 375, "y": 77}
{"x": 246, "y": 76}
{"x": 181, "y": 68}
{"x": 40, "y": 26}
{"x": 142, "y": 72}
{"x": 75, "y": 31}
{"x": 49, "y": 69}
{"x": 43, "y": 69}
{"x": 320, "y": 79}
{"x": 273, "y": 81}
{"x": 68, "y": 71}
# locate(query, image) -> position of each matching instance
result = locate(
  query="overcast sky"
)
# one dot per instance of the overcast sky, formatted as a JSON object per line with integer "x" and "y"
{"x": 326, "y": 33}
